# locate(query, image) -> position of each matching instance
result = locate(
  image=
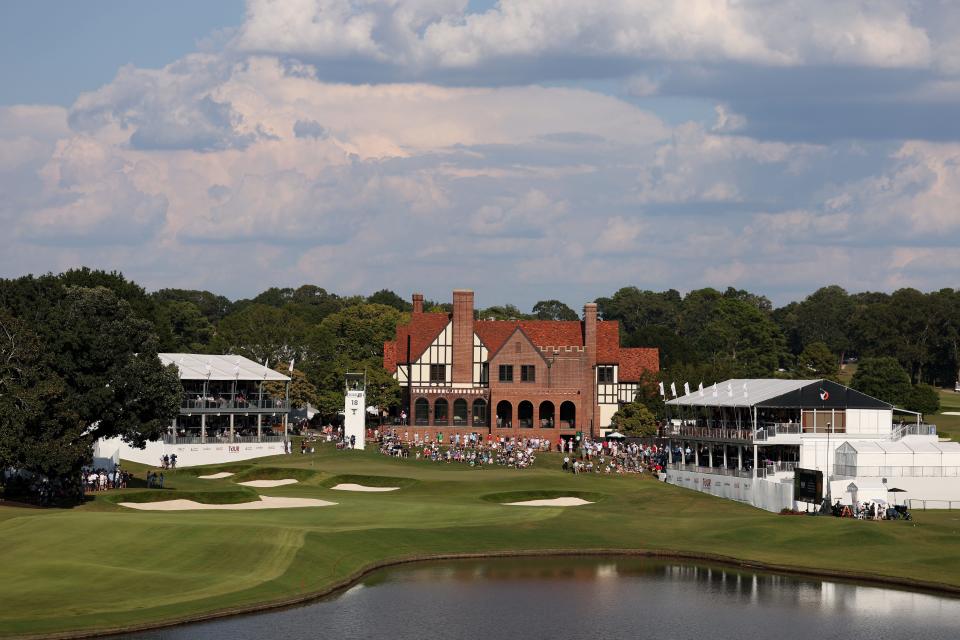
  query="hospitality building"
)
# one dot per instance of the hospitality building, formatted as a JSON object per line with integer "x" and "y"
{"x": 744, "y": 439}
{"x": 534, "y": 378}
{"x": 231, "y": 409}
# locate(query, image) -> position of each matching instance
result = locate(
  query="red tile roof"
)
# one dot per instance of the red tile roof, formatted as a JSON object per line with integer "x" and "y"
{"x": 633, "y": 362}
{"x": 608, "y": 342}
{"x": 543, "y": 333}
{"x": 390, "y": 356}
{"x": 423, "y": 329}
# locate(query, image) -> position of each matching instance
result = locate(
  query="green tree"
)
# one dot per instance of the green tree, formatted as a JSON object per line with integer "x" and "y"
{"x": 504, "y": 312}
{"x": 390, "y": 299}
{"x": 923, "y": 399}
{"x": 351, "y": 340}
{"x": 823, "y": 316}
{"x": 634, "y": 419}
{"x": 99, "y": 377}
{"x": 262, "y": 333}
{"x": 737, "y": 334}
{"x": 212, "y": 306}
{"x": 884, "y": 379}
{"x": 183, "y": 327}
{"x": 553, "y": 310}
{"x": 817, "y": 361}
{"x": 302, "y": 391}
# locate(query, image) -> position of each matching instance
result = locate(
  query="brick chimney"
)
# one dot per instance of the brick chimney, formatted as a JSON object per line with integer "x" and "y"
{"x": 418, "y": 303}
{"x": 462, "y": 336}
{"x": 591, "y": 414}
{"x": 590, "y": 329}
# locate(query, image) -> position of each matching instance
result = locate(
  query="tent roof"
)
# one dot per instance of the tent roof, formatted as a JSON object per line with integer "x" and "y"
{"x": 903, "y": 446}
{"x": 196, "y": 366}
{"x": 774, "y": 392}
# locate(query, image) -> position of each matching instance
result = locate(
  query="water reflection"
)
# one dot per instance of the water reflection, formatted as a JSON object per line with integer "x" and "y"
{"x": 582, "y": 597}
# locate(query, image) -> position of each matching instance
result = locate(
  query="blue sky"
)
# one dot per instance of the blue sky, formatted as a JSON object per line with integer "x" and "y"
{"x": 529, "y": 149}
{"x": 51, "y": 50}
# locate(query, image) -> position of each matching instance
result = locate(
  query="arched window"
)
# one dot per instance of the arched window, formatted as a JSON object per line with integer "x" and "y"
{"x": 504, "y": 415}
{"x": 459, "y": 412}
{"x": 568, "y": 415}
{"x": 421, "y": 412}
{"x": 479, "y": 412}
{"x": 441, "y": 411}
{"x": 525, "y": 414}
{"x": 546, "y": 415}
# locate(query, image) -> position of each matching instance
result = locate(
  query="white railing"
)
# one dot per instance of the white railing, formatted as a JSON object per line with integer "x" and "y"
{"x": 922, "y": 429}
{"x": 719, "y": 471}
{"x": 913, "y": 503}
{"x": 168, "y": 439}
{"x": 897, "y": 472}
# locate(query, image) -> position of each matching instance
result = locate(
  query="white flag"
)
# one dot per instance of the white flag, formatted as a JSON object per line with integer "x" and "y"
{"x": 716, "y": 392}
{"x": 744, "y": 389}
{"x": 291, "y": 365}
{"x": 729, "y": 389}
{"x": 673, "y": 389}
{"x": 663, "y": 394}
{"x": 686, "y": 388}
{"x": 700, "y": 388}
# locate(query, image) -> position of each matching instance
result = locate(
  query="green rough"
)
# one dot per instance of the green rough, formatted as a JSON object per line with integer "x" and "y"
{"x": 102, "y": 566}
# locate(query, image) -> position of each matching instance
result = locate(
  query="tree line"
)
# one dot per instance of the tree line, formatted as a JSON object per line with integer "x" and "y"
{"x": 77, "y": 350}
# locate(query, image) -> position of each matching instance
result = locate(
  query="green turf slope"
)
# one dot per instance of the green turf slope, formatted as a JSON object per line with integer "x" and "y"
{"x": 103, "y": 566}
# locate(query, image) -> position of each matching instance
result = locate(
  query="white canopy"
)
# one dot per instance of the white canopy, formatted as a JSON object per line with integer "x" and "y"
{"x": 198, "y": 366}
{"x": 741, "y": 392}
{"x": 886, "y": 458}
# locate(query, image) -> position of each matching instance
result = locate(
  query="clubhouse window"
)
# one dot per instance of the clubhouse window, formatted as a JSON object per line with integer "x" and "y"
{"x": 528, "y": 373}
{"x": 506, "y": 373}
{"x": 605, "y": 375}
{"x": 438, "y": 373}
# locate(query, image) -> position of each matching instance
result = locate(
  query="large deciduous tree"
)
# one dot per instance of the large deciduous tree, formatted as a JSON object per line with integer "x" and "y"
{"x": 262, "y": 333}
{"x": 87, "y": 370}
{"x": 553, "y": 310}
{"x": 884, "y": 379}
{"x": 634, "y": 419}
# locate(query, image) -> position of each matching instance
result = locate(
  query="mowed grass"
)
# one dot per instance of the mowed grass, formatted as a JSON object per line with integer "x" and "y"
{"x": 101, "y": 566}
{"x": 947, "y": 426}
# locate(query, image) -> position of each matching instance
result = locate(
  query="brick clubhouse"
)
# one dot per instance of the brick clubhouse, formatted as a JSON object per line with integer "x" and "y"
{"x": 534, "y": 378}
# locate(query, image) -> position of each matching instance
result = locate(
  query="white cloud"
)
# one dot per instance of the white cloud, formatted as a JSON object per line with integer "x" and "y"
{"x": 420, "y": 34}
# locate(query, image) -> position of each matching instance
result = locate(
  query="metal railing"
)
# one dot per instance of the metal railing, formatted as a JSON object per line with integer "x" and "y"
{"x": 718, "y": 471}
{"x": 168, "y": 439}
{"x": 913, "y": 503}
{"x": 709, "y": 433}
{"x": 222, "y": 403}
{"x": 775, "y": 467}
{"x": 855, "y": 471}
{"x": 922, "y": 429}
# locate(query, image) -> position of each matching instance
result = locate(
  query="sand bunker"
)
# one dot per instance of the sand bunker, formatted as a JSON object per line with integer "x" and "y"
{"x": 553, "y": 502}
{"x": 349, "y": 486}
{"x": 951, "y": 413}
{"x": 268, "y": 483}
{"x": 216, "y": 476}
{"x": 266, "y": 502}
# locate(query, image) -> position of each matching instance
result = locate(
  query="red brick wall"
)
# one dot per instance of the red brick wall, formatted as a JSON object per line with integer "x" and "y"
{"x": 557, "y": 383}
{"x": 462, "y": 336}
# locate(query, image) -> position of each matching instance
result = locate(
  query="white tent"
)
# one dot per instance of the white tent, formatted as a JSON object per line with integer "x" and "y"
{"x": 904, "y": 458}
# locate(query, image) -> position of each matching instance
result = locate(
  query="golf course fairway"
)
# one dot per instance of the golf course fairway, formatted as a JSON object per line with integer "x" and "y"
{"x": 103, "y": 567}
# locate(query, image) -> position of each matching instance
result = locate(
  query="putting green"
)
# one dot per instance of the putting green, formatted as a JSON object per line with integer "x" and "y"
{"x": 101, "y": 566}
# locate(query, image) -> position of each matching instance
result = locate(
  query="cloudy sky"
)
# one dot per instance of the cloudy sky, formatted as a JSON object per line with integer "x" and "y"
{"x": 528, "y": 149}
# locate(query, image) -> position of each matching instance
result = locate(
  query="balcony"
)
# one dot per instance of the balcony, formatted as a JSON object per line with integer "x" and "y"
{"x": 198, "y": 403}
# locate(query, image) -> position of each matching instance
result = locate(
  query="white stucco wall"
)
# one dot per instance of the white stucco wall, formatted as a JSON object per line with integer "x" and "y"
{"x": 869, "y": 421}
{"x": 760, "y": 493}
{"x": 188, "y": 455}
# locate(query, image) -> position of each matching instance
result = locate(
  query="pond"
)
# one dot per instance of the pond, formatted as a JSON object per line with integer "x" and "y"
{"x": 600, "y": 598}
